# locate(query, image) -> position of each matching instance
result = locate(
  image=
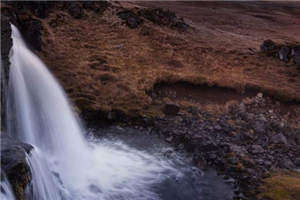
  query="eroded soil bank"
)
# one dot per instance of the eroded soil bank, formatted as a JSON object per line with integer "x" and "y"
{"x": 185, "y": 79}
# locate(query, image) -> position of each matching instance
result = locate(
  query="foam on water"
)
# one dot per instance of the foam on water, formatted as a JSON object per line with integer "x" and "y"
{"x": 6, "y": 192}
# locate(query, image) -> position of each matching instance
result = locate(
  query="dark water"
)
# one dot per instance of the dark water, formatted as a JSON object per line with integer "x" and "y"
{"x": 191, "y": 183}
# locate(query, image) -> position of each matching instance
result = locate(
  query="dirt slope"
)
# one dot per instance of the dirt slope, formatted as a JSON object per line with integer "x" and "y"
{"x": 105, "y": 65}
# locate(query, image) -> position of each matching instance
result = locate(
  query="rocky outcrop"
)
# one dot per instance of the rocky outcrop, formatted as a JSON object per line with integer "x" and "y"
{"x": 164, "y": 18}
{"x": 31, "y": 29}
{"x": 132, "y": 20}
{"x": 26, "y": 16}
{"x": 6, "y": 42}
{"x": 157, "y": 16}
{"x": 284, "y": 52}
{"x": 14, "y": 165}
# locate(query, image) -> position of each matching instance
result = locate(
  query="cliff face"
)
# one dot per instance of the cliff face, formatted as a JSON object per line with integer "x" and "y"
{"x": 6, "y": 44}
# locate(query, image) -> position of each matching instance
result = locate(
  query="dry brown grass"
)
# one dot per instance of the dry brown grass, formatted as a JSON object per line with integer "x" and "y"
{"x": 281, "y": 186}
{"x": 104, "y": 65}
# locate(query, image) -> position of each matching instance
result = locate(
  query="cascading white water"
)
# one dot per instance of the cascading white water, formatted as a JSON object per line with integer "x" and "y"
{"x": 6, "y": 192}
{"x": 64, "y": 165}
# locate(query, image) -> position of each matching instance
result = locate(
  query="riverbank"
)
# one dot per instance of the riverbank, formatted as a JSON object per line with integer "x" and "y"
{"x": 249, "y": 145}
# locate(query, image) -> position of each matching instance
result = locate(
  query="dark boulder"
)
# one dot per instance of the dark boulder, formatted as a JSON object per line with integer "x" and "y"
{"x": 171, "y": 109}
{"x": 74, "y": 9}
{"x": 296, "y": 55}
{"x": 24, "y": 16}
{"x": 14, "y": 165}
{"x": 96, "y": 6}
{"x": 284, "y": 53}
{"x": 164, "y": 17}
{"x": 132, "y": 20}
{"x": 159, "y": 16}
{"x": 268, "y": 45}
{"x": 39, "y": 8}
{"x": 180, "y": 25}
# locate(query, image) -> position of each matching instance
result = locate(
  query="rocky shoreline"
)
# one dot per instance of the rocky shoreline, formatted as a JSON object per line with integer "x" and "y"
{"x": 246, "y": 145}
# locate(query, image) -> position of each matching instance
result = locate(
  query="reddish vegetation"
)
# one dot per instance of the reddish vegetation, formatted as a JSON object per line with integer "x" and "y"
{"x": 105, "y": 65}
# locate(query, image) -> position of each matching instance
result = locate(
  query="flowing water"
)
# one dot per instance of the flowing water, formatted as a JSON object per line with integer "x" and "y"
{"x": 6, "y": 192}
{"x": 66, "y": 165}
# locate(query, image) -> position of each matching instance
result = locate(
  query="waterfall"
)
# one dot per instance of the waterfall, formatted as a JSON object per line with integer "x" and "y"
{"x": 6, "y": 192}
{"x": 64, "y": 164}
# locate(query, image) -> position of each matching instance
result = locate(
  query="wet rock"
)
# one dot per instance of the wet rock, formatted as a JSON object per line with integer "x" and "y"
{"x": 279, "y": 139}
{"x": 6, "y": 41}
{"x": 132, "y": 20}
{"x": 6, "y": 44}
{"x": 284, "y": 53}
{"x": 268, "y": 45}
{"x": 171, "y": 109}
{"x": 14, "y": 165}
{"x": 31, "y": 30}
{"x": 25, "y": 15}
